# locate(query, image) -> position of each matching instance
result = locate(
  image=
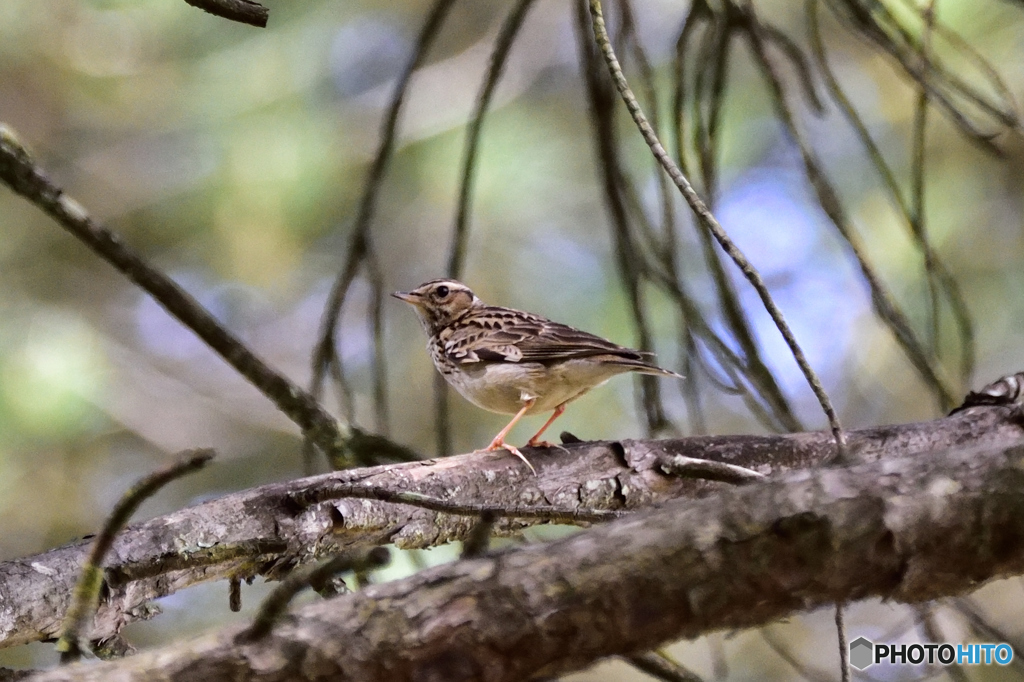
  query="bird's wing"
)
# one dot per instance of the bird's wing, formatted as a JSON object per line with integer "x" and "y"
{"x": 503, "y": 335}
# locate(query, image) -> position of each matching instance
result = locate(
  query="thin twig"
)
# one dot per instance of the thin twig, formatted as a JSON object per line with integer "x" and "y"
{"x": 502, "y": 47}
{"x": 769, "y": 405}
{"x": 689, "y": 388}
{"x": 1008, "y": 116}
{"x": 844, "y": 647}
{"x": 708, "y": 470}
{"x": 731, "y": 364}
{"x": 334, "y": 490}
{"x": 903, "y": 44}
{"x": 666, "y": 197}
{"x": 360, "y": 248}
{"x": 800, "y": 63}
{"x": 376, "y": 324}
{"x": 660, "y": 666}
{"x": 700, "y": 208}
{"x": 698, "y": 13}
{"x": 750, "y": 364}
{"x": 917, "y": 168}
{"x": 712, "y": 60}
{"x": 629, "y": 259}
{"x": 776, "y": 413}
{"x": 828, "y": 198}
{"x": 460, "y": 231}
{"x": 87, "y": 591}
{"x": 958, "y": 306}
{"x": 878, "y": 24}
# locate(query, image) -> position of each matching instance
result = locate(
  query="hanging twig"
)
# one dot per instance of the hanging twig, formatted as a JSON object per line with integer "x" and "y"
{"x": 948, "y": 284}
{"x": 764, "y": 397}
{"x": 360, "y": 249}
{"x": 87, "y": 590}
{"x": 460, "y": 231}
{"x": 629, "y": 259}
{"x": 666, "y": 197}
{"x": 828, "y": 198}
{"x": 701, "y": 209}
{"x": 917, "y": 166}
{"x": 877, "y": 23}
{"x": 502, "y": 47}
{"x": 844, "y": 647}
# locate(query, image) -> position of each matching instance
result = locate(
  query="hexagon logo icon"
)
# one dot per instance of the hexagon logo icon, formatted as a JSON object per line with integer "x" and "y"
{"x": 861, "y": 653}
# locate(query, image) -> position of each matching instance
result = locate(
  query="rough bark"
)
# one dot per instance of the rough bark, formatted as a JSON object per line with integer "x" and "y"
{"x": 909, "y": 528}
{"x": 260, "y": 532}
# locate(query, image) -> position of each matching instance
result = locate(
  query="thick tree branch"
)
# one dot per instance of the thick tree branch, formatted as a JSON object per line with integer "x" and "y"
{"x": 264, "y": 532}
{"x": 909, "y": 529}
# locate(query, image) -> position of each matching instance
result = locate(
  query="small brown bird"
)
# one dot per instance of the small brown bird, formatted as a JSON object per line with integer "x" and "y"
{"x": 513, "y": 362}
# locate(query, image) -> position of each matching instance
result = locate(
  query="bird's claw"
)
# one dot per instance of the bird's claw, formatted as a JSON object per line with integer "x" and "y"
{"x": 498, "y": 444}
{"x": 547, "y": 444}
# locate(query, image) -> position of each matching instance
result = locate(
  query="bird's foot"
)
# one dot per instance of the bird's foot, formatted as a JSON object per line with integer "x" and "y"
{"x": 500, "y": 444}
{"x": 546, "y": 444}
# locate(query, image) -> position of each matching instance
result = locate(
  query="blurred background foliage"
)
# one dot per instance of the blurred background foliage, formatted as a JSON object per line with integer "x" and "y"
{"x": 235, "y": 159}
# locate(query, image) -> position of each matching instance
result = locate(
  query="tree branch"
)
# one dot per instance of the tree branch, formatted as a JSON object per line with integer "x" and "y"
{"x": 244, "y": 11}
{"x": 19, "y": 171}
{"x": 908, "y": 529}
{"x": 263, "y": 531}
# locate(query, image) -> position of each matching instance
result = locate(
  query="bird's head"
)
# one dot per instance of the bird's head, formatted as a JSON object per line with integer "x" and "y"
{"x": 439, "y": 302}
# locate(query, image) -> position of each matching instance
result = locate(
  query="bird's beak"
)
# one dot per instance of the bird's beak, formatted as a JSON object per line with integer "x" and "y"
{"x": 407, "y": 296}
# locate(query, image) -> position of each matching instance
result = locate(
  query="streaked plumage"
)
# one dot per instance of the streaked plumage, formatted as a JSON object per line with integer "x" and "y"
{"x": 514, "y": 362}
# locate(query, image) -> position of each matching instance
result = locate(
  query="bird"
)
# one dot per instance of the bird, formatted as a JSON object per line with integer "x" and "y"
{"x": 514, "y": 362}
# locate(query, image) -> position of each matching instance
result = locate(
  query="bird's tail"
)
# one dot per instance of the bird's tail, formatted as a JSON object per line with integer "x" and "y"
{"x": 657, "y": 371}
{"x": 642, "y": 367}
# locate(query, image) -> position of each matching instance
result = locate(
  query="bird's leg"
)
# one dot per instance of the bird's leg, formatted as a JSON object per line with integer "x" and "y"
{"x": 534, "y": 442}
{"x": 499, "y": 441}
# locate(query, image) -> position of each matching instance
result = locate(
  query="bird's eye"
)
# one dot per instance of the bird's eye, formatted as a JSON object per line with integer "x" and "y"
{"x": 442, "y": 291}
